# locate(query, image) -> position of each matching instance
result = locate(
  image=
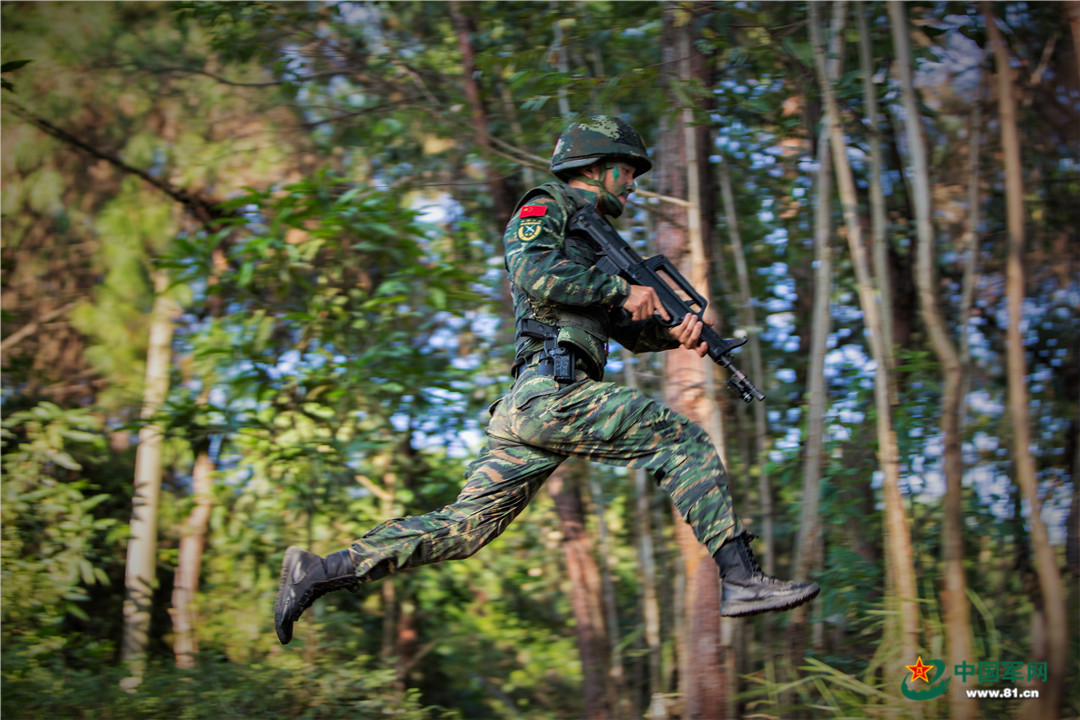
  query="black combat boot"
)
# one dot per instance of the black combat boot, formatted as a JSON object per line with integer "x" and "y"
{"x": 305, "y": 577}
{"x": 749, "y": 591}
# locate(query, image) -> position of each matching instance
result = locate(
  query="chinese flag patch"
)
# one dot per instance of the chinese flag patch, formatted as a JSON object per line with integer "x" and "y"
{"x": 532, "y": 211}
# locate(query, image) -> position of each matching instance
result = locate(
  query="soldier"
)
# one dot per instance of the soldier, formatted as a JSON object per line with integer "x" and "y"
{"x": 559, "y": 404}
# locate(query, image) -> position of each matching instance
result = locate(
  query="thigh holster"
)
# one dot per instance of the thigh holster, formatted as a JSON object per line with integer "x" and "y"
{"x": 555, "y": 360}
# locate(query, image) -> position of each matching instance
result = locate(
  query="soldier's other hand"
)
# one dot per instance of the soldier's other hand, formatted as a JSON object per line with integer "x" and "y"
{"x": 688, "y": 333}
{"x": 643, "y": 302}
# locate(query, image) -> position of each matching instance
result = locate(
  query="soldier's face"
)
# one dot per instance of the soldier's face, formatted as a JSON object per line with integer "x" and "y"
{"x": 619, "y": 181}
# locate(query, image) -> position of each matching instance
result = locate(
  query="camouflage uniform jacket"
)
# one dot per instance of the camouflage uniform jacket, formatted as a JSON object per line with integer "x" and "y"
{"x": 553, "y": 279}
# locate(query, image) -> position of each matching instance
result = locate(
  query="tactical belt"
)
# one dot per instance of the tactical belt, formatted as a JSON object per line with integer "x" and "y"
{"x": 555, "y": 360}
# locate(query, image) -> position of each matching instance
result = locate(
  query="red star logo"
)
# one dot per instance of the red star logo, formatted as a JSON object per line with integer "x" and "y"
{"x": 918, "y": 670}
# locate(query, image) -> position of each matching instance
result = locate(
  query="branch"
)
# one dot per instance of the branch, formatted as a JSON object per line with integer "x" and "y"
{"x": 237, "y": 83}
{"x": 31, "y": 327}
{"x": 202, "y": 208}
{"x": 374, "y": 489}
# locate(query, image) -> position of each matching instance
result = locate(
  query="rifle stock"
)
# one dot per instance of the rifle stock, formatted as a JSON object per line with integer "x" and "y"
{"x": 675, "y": 292}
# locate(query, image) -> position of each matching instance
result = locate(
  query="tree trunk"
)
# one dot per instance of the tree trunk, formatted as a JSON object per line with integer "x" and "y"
{"x": 710, "y": 664}
{"x": 1072, "y": 532}
{"x": 1072, "y": 15}
{"x": 406, "y": 642}
{"x": 586, "y": 591}
{"x": 1057, "y": 636}
{"x": 502, "y": 208}
{"x": 960, "y": 644}
{"x": 189, "y": 564}
{"x": 703, "y": 670}
{"x": 971, "y": 242}
{"x": 817, "y": 401}
{"x": 878, "y": 219}
{"x": 617, "y": 682}
{"x": 820, "y": 327}
{"x": 407, "y": 651}
{"x": 748, "y": 322}
{"x": 899, "y": 565}
{"x": 558, "y": 49}
{"x": 646, "y": 561}
{"x": 140, "y": 574}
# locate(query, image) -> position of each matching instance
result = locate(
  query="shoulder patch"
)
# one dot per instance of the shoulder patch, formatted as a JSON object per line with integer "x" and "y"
{"x": 528, "y": 230}
{"x": 532, "y": 211}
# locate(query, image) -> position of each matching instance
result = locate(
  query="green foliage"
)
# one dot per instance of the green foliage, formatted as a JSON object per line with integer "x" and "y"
{"x": 11, "y": 66}
{"x": 825, "y": 691}
{"x": 51, "y": 535}
{"x": 343, "y": 286}
{"x": 216, "y": 690}
{"x": 136, "y": 225}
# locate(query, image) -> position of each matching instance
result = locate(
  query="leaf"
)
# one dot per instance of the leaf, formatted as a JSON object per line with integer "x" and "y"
{"x": 438, "y": 298}
{"x": 77, "y": 611}
{"x": 247, "y": 271}
{"x": 348, "y": 197}
{"x": 64, "y": 460}
{"x": 12, "y": 65}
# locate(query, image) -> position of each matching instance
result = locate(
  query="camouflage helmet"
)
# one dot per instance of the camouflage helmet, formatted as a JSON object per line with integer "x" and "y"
{"x": 596, "y": 138}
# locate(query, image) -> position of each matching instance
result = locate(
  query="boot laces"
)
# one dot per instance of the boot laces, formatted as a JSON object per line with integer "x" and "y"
{"x": 748, "y": 554}
{"x": 755, "y": 568}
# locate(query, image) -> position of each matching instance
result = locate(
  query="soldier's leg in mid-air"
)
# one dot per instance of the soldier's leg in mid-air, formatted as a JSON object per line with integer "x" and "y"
{"x": 499, "y": 484}
{"x": 617, "y": 425}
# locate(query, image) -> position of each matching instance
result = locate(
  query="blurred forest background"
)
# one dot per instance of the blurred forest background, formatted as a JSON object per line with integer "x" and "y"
{"x": 253, "y": 296}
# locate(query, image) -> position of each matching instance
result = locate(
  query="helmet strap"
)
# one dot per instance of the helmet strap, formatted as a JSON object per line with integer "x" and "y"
{"x": 607, "y": 204}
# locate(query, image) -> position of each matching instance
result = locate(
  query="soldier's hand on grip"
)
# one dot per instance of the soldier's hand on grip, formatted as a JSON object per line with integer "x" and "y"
{"x": 642, "y": 303}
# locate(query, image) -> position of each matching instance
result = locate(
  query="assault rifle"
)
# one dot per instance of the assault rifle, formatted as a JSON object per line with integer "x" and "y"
{"x": 676, "y": 294}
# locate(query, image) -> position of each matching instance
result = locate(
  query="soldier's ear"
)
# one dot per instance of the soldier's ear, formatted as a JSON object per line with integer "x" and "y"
{"x": 592, "y": 172}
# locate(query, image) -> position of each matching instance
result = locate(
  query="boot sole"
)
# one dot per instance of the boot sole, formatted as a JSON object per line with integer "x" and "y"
{"x": 282, "y": 623}
{"x": 757, "y": 607}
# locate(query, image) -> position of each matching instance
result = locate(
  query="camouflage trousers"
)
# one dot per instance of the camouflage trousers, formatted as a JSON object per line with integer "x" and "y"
{"x": 533, "y": 429}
